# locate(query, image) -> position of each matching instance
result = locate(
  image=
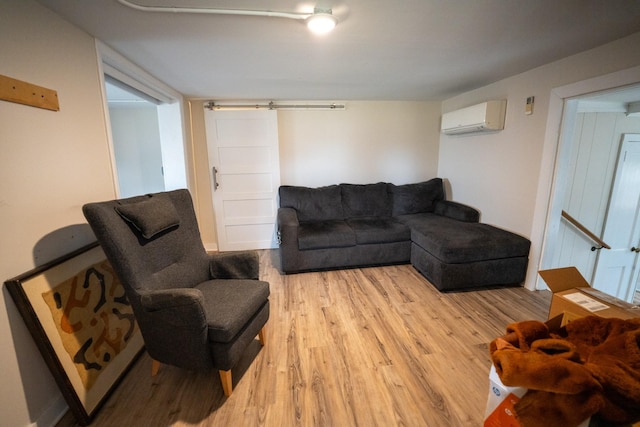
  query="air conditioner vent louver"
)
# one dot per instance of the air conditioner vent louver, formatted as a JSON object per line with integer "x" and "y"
{"x": 485, "y": 117}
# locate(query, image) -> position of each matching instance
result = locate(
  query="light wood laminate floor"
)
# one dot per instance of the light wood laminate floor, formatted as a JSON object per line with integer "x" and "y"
{"x": 363, "y": 347}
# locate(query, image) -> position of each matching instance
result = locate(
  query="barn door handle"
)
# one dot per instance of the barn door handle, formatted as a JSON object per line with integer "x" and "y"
{"x": 214, "y": 172}
{"x": 636, "y": 250}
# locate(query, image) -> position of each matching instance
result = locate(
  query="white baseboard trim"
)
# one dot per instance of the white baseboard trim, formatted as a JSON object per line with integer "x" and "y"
{"x": 53, "y": 414}
{"x": 211, "y": 247}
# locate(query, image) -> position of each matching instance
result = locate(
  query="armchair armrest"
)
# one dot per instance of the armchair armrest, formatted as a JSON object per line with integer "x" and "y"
{"x": 178, "y": 307}
{"x": 174, "y": 326}
{"x": 235, "y": 265}
{"x": 457, "y": 211}
{"x": 169, "y": 298}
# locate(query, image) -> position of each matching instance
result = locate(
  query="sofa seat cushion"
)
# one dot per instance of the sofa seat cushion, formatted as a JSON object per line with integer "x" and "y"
{"x": 325, "y": 234}
{"x": 456, "y": 242}
{"x": 233, "y": 303}
{"x": 379, "y": 230}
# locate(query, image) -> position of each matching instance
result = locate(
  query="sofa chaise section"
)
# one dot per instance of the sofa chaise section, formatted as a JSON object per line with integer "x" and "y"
{"x": 456, "y": 254}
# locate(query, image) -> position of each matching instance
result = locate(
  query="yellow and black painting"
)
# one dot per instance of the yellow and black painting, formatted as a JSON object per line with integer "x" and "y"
{"x": 93, "y": 317}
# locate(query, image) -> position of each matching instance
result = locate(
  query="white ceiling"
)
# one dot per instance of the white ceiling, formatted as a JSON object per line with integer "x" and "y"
{"x": 380, "y": 50}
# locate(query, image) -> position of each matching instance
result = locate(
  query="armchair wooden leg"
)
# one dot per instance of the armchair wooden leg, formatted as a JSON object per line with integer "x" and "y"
{"x": 155, "y": 366}
{"x": 261, "y": 336}
{"x": 227, "y": 384}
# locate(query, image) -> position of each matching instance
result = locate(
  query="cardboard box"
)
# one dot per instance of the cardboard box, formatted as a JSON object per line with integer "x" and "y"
{"x": 499, "y": 411}
{"x": 573, "y": 296}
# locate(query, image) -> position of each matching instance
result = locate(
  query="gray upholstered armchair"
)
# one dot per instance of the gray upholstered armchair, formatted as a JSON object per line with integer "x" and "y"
{"x": 195, "y": 310}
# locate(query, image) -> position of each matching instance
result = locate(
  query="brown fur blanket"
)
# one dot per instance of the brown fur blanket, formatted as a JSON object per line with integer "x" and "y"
{"x": 589, "y": 367}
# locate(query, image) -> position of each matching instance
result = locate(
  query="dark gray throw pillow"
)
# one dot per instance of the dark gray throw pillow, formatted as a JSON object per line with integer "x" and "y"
{"x": 151, "y": 216}
{"x": 366, "y": 200}
{"x": 313, "y": 204}
{"x": 416, "y": 198}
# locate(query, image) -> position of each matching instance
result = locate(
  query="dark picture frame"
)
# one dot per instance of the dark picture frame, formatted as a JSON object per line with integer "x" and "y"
{"x": 77, "y": 312}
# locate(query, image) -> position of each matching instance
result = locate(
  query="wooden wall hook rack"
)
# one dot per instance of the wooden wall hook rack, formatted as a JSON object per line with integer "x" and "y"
{"x": 20, "y": 92}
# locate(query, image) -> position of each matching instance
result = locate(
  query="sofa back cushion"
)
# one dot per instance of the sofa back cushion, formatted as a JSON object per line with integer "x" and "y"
{"x": 368, "y": 200}
{"x": 313, "y": 204}
{"x": 416, "y": 198}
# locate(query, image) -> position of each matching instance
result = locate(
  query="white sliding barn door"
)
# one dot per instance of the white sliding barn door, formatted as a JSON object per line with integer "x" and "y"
{"x": 617, "y": 269}
{"x": 244, "y": 167}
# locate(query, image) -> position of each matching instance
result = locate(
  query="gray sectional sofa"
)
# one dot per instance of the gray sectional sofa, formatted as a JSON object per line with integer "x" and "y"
{"x": 350, "y": 225}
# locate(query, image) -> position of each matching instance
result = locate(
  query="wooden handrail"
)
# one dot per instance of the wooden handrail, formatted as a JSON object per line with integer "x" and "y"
{"x": 586, "y": 231}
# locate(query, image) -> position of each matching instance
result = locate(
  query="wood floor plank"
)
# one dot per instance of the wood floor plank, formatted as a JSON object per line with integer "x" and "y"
{"x": 366, "y": 347}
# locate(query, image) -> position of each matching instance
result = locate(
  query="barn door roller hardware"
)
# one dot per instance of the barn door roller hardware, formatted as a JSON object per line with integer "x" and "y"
{"x": 211, "y": 105}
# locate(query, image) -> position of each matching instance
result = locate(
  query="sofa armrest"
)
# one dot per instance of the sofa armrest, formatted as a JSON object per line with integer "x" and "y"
{"x": 288, "y": 228}
{"x": 287, "y": 217}
{"x": 288, "y": 223}
{"x": 235, "y": 265}
{"x": 457, "y": 211}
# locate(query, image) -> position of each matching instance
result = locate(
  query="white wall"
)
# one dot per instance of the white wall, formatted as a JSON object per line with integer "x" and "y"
{"x": 136, "y": 144}
{"x": 507, "y": 175}
{"x": 137, "y": 148}
{"x": 367, "y": 142}
{"x": 172, "y": 140}
{"x": 51, "y": 163}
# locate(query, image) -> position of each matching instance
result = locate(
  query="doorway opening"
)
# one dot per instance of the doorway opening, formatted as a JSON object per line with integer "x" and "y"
{"x": 593, "y": 130}
{"x": 136, "y": 141}
{"x": 146, "y": 128}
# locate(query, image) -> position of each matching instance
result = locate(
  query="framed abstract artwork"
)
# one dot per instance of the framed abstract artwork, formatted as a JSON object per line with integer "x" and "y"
{"x": 79, "y": 316}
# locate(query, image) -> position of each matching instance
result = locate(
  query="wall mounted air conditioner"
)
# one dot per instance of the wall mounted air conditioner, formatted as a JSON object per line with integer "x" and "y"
{"x": 485, "y": 117}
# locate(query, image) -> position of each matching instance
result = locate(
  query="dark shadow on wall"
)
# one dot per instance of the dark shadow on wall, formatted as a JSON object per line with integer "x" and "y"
{"x": 61, "y": 242}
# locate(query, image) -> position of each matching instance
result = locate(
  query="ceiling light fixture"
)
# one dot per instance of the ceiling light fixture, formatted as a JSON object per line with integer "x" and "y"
{"x": 320, "y": 21}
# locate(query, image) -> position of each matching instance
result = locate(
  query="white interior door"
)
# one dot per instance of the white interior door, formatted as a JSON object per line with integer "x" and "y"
{"x": 245, "y": 172}
{"x": 617, "y": 269}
